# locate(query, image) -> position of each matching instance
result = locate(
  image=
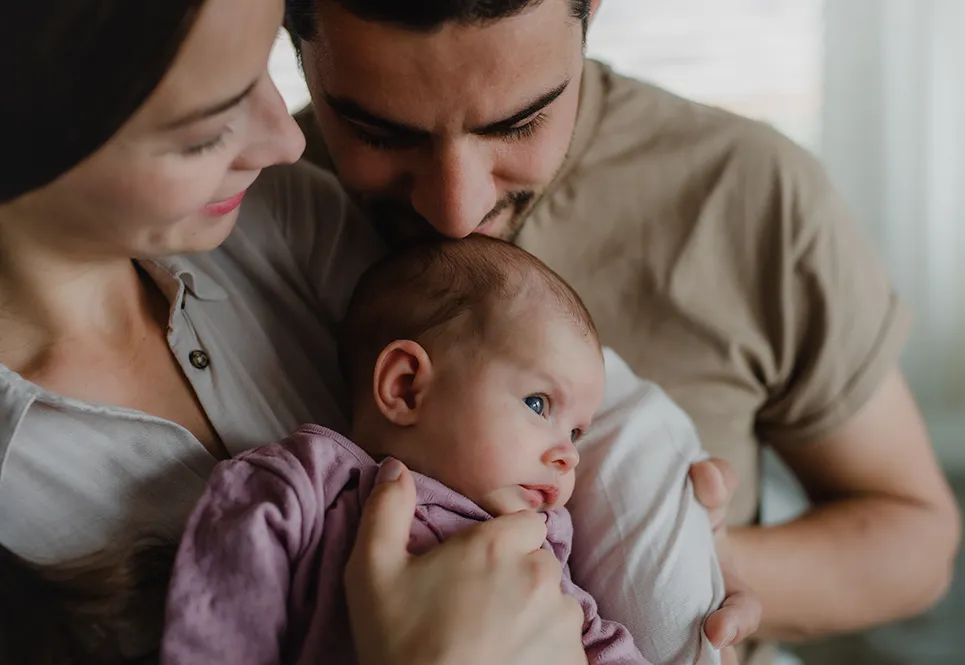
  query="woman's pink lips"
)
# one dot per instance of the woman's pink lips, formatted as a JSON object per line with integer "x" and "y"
{"x": 224, "y": 207}
{"x": 542, "y": 495}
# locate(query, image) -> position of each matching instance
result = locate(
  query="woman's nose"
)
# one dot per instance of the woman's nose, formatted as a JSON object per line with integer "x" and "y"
{"x": 275, "y": 136}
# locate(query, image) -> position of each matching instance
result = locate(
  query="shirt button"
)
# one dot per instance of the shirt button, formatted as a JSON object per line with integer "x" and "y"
{"x": 199, "y": 359}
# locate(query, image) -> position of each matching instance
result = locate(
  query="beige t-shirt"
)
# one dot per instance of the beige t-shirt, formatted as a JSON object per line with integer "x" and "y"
{"x": 718, "y": 261}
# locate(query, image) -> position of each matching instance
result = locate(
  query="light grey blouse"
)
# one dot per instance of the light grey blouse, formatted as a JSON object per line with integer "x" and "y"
{"x": 253, "y": 327}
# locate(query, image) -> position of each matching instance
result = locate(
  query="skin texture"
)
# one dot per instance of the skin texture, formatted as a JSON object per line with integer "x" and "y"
{"x": 448, "y": 88}
{"x": 497, "y": 423}
{"x": 877, "y": 486}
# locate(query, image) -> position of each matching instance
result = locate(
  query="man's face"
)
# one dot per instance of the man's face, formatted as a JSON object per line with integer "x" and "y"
{"x": 459, "y": 128}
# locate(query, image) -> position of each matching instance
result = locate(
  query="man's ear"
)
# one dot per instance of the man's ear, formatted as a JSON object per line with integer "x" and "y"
{"x": 594, "y": 8}
{"x": 400, "y": 380}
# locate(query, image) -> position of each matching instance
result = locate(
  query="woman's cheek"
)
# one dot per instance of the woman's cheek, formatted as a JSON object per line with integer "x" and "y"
{"x": 173, "y": 193}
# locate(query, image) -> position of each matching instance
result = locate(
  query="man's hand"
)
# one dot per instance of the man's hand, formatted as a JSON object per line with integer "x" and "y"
{"x": 740, "y": 614}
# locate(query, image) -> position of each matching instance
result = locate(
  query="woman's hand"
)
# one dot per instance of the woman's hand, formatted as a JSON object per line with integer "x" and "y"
{"x": 488, "y": 595}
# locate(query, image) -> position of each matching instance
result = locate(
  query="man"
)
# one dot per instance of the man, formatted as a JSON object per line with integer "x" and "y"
{"x": 713, "y": 254}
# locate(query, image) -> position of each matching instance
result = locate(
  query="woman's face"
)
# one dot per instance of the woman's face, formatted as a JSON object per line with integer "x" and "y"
{"x": 171, "y": 179}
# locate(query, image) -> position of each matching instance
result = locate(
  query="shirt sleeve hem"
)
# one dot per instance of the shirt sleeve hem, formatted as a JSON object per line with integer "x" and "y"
{"x": 859, "y": 390}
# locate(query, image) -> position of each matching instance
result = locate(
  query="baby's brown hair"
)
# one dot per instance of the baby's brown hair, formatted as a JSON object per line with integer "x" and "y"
{"x": 420, "y": 290}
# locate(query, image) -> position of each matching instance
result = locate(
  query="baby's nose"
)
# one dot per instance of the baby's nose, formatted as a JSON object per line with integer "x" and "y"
{"x": 563, "y": 457}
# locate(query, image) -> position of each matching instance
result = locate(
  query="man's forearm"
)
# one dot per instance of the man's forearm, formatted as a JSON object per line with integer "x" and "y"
{"x": 846, "y": 565}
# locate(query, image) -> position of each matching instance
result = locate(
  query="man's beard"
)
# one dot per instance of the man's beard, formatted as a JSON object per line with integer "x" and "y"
{"x": 398, "y": 222}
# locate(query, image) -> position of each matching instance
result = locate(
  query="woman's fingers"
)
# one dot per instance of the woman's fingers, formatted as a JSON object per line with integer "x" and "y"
{"x": 508, "y": 536}
{"x": 383, "y": 536}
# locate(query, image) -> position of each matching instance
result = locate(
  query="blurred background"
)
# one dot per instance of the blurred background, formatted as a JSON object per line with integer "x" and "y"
{"x": 876, "y": 88}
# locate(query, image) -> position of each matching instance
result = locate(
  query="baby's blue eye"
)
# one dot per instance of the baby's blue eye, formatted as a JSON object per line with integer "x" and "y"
{"x": 536, "y": 403}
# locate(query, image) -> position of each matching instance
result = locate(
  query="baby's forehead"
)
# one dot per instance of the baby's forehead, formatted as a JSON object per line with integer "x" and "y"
{"x": 542, "y": 335}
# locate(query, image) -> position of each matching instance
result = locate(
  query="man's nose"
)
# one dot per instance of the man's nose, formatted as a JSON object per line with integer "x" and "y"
{"x": 455, "y": 189}
{"x": 563, "y": 457}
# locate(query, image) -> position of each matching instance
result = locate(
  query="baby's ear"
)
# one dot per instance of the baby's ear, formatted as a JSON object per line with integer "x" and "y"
{"x": 401, "y": 377}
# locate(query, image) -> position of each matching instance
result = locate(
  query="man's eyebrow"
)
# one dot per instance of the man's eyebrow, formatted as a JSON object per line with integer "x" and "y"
{"x": 209, "y": 111}
{"x": 532, "y": 108}
{"x": 352, "y": 111}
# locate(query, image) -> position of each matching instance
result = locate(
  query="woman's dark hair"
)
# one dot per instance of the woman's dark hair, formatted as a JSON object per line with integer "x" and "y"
{"x": 103, "y": 609}
{"x": 73, "y": 72}
{"x": 420, "y": 14}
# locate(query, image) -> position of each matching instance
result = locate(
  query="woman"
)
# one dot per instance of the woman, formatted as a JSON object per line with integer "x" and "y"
{"x": 134, "y": 130}
{"x": 151, "y": 324}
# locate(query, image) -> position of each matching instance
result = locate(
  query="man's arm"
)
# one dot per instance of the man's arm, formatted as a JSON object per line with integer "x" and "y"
{"x": 878, "y": 544}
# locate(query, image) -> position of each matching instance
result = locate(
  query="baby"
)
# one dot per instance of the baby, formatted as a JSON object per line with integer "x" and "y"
{"x": 471, "y": 362}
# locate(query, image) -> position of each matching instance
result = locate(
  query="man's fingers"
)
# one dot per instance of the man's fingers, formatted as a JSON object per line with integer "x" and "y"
{"x": 728, "y": 474}
{"x": 738, "y": 617}
{"x": 381, "y": 546}
{"x": 714, "y": 483}
{"x": 728, "y": 656}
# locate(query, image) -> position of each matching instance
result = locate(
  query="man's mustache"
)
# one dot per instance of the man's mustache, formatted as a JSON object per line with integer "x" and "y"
{"x": 397, "y": 220}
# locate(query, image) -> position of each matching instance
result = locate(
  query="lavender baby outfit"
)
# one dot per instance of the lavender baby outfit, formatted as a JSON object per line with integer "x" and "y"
{"x": 258, "y": 577}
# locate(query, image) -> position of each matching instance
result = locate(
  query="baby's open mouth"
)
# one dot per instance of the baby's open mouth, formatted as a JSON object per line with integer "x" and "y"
{"x": 542, "y": 496}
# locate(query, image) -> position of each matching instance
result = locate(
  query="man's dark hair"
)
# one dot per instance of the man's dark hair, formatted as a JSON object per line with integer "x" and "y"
{"x": 420, "y": 15}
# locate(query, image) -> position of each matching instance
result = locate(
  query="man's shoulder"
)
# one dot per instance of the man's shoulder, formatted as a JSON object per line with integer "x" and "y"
{"x": 659, "y": 127}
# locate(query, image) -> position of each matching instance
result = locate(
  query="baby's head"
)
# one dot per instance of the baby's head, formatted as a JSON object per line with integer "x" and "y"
{"x": 475, "y": 364}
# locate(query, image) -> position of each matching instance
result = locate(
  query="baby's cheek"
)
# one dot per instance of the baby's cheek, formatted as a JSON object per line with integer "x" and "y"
{"x": 503, "y": 501}
{"x": 567, "y": 484}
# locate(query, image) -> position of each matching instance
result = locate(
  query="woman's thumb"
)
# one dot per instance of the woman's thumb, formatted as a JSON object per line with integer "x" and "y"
{"x": 381, "y": 547}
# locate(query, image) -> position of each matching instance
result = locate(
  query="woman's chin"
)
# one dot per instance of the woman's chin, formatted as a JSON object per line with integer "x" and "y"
{"x": 199, "y": 234}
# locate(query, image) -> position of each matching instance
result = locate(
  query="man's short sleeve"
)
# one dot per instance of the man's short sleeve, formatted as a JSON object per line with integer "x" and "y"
{"x": 837, "y": 326}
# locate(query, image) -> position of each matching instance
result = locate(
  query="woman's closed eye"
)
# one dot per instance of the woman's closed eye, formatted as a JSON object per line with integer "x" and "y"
{"x": 206, "y": 146}
{"x": 201, "y": 148}
{"x": 538, "y": 404}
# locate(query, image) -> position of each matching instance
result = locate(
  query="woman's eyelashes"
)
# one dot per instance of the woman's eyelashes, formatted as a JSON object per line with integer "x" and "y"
{"x": 207, "y": 146}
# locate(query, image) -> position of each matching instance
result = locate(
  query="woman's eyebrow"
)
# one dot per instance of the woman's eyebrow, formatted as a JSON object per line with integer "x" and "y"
{"x": 209, "y": 111}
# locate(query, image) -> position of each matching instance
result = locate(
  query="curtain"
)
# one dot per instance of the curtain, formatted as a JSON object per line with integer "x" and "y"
{"x": 894, "y": 142}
